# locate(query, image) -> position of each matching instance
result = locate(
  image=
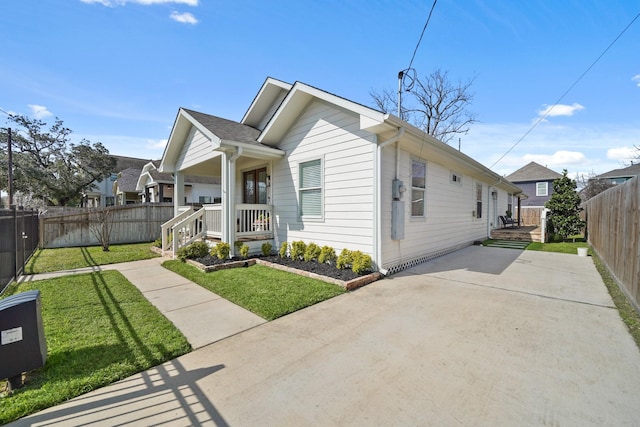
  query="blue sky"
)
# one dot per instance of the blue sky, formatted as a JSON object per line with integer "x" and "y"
{"x": 116, "y": 71}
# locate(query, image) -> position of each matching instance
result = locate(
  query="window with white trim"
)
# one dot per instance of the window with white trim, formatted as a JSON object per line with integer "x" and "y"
{"x": 542, "y": 188}
{"x": 418, "y": 186}
{"x": 478, "y": 200}
{"x": 510, "y": 203}
{"x": 311, "y": 188}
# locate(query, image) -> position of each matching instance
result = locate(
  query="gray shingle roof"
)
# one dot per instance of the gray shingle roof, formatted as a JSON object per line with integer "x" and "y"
{"x": 533, "y": 172}
{"x": 124, "y": 162}
{"x": 627, "y": 172}
{"x": 128, "y": 180}
{"x": 226, "y": 129}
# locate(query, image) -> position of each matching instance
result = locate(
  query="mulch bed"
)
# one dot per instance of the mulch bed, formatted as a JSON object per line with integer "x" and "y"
{"x": 346, "y": 278}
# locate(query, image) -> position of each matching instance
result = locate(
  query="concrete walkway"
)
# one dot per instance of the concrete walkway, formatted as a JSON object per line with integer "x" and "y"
{"x": 482, "y": 337}
{"x": 202, "y": 316}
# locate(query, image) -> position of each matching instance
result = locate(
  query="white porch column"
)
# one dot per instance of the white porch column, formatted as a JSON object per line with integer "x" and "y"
{"x": 178, "y": 192}
{"x": 232, "y": 199}
{"x": 226, "y": 201}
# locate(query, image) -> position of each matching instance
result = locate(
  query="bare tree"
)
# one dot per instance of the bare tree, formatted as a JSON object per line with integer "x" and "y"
{"x": 590, "y": 185}
{"x": 100, "y": 225}
{"x": 435, "y": 105}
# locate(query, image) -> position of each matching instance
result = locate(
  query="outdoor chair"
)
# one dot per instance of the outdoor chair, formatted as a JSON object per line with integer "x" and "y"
{"x": 508, "y": 222}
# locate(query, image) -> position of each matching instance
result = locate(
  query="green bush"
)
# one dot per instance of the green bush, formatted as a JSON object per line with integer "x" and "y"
{"x": 237, "y": 244}
{"x": 193, "y": 251}
{"x": 223, "y": 250}
{"x": 244, "y": 250}
{"x": 345, "y": 259}
{"x": 360, "y": 262}
{"x": 157, "y": 243}
{"x": 327, "y": 255}
{"x": 298, "y": 249}
{"x": 266, "y": 249}
{"x": 284, "y": 248}
{"x": 312, "y": 252}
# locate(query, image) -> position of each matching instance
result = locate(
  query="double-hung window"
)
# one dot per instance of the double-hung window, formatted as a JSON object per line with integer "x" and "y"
{"x": 311, "y": 189}
{"x": 418, "y": 186}
{"x": 542, "y": 188}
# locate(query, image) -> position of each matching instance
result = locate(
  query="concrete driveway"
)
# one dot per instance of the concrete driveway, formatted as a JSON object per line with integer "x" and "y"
{"x": 481, "y": 337}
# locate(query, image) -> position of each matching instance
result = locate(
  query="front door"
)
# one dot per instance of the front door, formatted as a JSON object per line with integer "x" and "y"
{"x": 254, "y": 184}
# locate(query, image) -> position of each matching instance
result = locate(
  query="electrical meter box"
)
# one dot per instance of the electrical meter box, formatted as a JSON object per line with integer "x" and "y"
{"x": 22, "y": 343}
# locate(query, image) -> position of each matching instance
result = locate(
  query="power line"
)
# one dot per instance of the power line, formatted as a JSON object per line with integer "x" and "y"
{"x": 422, "y": 34}
{"x": 537, "y": 122}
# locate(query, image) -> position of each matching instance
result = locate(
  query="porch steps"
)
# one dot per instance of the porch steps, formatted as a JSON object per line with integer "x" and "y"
{"x": 508, "y": 244}
{"x": 525, "y": 234}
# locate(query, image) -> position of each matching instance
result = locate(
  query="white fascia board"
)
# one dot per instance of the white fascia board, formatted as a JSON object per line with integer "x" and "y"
{"x": 259, "y": 151}
{"x": 299, "y": 97}
{"x": 264, "y": 99}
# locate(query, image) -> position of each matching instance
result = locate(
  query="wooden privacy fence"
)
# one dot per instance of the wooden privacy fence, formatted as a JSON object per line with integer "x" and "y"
{"x": 130, "y": 224}
{"x": 529, "y": 216}
{"x": 613, "y": 224}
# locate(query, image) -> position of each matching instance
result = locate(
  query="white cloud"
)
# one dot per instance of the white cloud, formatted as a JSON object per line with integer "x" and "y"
{"x": 111, "y": 3}
{"x": 39, "y": 111}
{"x": 560, "y": 158}
{"x": 184, "y": 18}
{"x": 622, "y": 154}
{"x": 636, "y": 79}
{"x": 560, "y": 110}
{"x": 156, "y": 144}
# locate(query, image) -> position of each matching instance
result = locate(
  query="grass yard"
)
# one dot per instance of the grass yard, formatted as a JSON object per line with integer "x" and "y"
{"x": 265, "y": 291}
{"x": 99, "y": 329}
{"x": 48, "y": 260}
{"x": 559, "y": 247}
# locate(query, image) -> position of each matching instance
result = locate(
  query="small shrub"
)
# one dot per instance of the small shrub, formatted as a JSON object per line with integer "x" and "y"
{"x": 312, "y": 252}
{"x": 193, "y": 251}
{"x": 361, "y": 263}
{"x": 223, "y": 250}
{"x": 284, "y": 248}
{"x": 327, "y": 255}
{"x": 345, "y": 259}
{"x": 237, "y": 244}
{"x": 266, "y": 249}
{"x": 298, "y": 249}
{"x": 244, "y": 250}
{"x": 214, "y": 251}
{"x": 157, "y": 243}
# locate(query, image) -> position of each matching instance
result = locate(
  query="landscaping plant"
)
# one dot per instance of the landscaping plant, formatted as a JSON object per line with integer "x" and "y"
{"x": 266, "y": 249}
{"x": 298, "y": 249}
{"x": 312, "y": 252}
{"x": 345, "y": 259}
{"x": 565, "y": 207}
{"x": 327, "y": 255}
{"x": 284, "y": 248}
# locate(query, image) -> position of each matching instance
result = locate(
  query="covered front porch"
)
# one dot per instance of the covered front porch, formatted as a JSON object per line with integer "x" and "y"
{"x": 253, "y": 226}
{"x": 209, "y": 146}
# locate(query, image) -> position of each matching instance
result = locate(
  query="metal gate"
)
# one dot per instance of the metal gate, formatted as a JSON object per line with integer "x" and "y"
{"x": 18, "y": 240}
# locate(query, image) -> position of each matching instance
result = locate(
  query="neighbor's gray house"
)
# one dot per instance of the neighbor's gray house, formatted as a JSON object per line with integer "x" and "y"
{"x": 155, "y": 186}
{"x": 102, "y": 194}
{"x": 619, "y": 176}
{"x": 305, "y": 164}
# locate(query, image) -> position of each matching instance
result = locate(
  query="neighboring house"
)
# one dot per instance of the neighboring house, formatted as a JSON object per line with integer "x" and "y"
{"x": 304, "y": 164}
{"x": 124, "y": 187}
{"x": 155, "y": 186}
{"x": 536, "y": 183}
{"x": 619, "y": 176}
{"x": 102, "y": 194}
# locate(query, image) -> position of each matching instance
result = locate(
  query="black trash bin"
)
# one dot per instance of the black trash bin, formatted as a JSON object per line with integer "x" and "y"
{"x": 22, "y": 343}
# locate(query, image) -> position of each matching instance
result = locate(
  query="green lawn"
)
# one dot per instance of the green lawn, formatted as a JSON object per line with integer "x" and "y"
{"x": 560, "y": 247}
{"x": 265, "y": 291}
{"x": 47, "y": 260}
{"x": 99, "y": 329}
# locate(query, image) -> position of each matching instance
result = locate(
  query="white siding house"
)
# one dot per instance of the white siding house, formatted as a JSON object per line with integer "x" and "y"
{"x": 323, "y": 169}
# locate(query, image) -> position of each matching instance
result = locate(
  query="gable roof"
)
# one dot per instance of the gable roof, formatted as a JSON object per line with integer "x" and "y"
{"x": 628, "y": 172}
{"x": 127, "y": 180}
{"x": 533, "y": 172}
{"x": 223, "y": 134}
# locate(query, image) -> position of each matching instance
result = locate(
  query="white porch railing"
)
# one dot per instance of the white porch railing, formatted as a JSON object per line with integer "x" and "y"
{"x": 167, "y": 229}
{"x": 252, "y": 221}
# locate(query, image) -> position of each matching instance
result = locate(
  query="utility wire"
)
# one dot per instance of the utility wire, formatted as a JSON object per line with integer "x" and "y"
{"x": 423, "y": 30}
{"x": 537, "y": 122}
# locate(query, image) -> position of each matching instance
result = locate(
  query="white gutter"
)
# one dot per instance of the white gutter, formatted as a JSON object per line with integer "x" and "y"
{"x": 377, "y": 235}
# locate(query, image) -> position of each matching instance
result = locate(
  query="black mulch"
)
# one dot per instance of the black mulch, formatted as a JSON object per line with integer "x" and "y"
{"x": 327, "y": 270}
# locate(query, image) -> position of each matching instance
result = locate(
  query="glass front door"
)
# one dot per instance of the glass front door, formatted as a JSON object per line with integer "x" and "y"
{"x": 254, "y": 184}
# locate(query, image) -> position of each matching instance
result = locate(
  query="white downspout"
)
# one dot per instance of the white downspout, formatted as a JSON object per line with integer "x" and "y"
{"x": 377, "y": 235}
